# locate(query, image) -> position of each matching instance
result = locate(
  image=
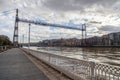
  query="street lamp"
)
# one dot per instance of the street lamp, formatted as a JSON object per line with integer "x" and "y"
{"x": 29, "y": 36}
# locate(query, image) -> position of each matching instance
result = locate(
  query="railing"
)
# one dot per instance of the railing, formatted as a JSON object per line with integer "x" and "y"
{"x": 78, "y": 69}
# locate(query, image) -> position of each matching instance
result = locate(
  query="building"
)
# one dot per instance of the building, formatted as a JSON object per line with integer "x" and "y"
{"x": 112, "y": 39}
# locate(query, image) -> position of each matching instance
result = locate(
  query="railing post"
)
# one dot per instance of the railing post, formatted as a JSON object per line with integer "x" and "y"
{"x": 92, "y": 74}
{"x": 74, "y": 69}
{"x": 49, "y": 58}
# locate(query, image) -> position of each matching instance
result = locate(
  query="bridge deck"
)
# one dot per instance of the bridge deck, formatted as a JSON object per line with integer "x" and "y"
{"x": 14, "y": 65}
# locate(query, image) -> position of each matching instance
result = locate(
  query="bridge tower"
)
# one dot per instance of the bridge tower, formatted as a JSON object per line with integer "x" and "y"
{"x": 15, "y": 35}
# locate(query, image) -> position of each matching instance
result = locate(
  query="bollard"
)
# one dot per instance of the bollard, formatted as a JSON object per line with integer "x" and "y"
{"x": 5, "y": 47}
{"x": 1, "y": 48}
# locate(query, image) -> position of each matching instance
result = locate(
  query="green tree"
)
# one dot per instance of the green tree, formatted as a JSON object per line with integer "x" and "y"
{"x": 4, "y": 40}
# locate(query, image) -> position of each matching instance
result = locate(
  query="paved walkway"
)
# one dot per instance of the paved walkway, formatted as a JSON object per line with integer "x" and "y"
{"x": 14, "y": 65}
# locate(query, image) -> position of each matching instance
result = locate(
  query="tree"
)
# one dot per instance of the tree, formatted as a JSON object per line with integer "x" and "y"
{"x": 4, "y": 40}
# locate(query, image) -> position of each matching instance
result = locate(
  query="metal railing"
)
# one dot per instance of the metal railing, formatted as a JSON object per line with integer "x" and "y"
{"x": 78, "y": 69}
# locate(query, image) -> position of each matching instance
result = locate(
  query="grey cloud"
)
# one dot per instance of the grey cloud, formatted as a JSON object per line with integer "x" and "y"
{"x": 5, "y": 5}
{"x": 110, "y": 28}
{"x": 60, "y": 4}
{"x": 67, "y": 5}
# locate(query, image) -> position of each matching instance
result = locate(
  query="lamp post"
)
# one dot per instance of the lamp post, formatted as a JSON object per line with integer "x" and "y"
{"x": 23, "y": 40}
{"x": 29, "y": 36}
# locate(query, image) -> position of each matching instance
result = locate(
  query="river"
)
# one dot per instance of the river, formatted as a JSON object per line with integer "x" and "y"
{"x": 100, "y": 55}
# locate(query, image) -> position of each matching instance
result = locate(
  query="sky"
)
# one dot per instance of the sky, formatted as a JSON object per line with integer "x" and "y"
{"x": 100, "y": 16}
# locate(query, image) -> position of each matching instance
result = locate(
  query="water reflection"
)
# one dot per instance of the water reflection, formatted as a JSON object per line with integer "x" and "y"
{"x": 101, "y": 55}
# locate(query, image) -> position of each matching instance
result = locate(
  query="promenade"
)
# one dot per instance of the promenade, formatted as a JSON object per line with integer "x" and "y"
{"x": 14, "y": 65}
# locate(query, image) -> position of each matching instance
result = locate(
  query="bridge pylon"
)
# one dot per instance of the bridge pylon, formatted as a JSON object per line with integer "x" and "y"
{"x": 15, "y": 35}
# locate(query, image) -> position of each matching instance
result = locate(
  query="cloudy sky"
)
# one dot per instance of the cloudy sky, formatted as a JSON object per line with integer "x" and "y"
{"x": 100, "y": 16}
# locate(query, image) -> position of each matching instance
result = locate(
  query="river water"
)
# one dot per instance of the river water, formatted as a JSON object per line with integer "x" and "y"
{"x": 100, "y": 55}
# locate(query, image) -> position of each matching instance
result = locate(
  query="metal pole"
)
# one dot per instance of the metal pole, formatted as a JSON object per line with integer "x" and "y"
{"x": 23, "y": 39}
{"x": 20, "y": 40}
{"x": 29, "y": 36}
{"x": 82, "y": 35}
{"x": 85, "y": 34}
{"x": 85, "y": 31}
